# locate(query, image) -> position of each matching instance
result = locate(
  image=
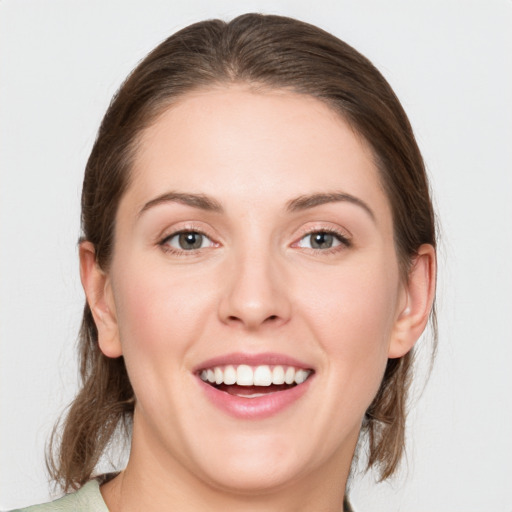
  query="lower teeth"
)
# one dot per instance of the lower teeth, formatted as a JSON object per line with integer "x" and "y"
{"x": 252, "y": 391}
{"x": 255, "y": 395}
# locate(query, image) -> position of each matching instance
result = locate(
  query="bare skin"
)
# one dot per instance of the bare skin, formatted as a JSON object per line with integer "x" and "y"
{"x": 259, "y": 179}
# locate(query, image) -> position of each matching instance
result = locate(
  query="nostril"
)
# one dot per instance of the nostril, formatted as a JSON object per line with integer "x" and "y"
{"x": 234, "y": 318}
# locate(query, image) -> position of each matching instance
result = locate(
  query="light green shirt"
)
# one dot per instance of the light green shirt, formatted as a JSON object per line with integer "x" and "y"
{"x": 89, "y": 499}
{"x": 86, "y": 499}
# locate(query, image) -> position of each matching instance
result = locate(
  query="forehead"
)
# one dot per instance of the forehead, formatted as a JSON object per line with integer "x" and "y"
{"x": 254, "y": 145}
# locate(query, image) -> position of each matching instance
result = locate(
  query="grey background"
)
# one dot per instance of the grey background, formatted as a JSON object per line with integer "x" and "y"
{"x": 450, "y": 64}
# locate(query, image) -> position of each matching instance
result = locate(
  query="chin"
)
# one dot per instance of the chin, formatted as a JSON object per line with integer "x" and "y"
{"x": 261, "y": 476}
{"x": 261, "y": 463}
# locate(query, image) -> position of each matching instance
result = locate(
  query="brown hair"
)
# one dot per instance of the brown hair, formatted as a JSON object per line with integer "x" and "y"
{"x": 262, "y": 51}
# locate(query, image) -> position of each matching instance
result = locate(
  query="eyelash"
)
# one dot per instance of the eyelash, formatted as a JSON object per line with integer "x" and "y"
{"x": 164, "y": 243}
{"x": 344, "y": 241}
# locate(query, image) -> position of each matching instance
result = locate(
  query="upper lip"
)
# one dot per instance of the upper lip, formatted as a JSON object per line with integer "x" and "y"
{"x": 265, "y": 358}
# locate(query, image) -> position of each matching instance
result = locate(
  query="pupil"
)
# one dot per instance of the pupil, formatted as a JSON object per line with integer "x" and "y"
{"x": 190, "y": 241}
{"x": 321, "y": 241}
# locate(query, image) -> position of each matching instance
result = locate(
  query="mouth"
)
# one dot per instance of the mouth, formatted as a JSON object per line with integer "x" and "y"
{"x": 252, "y": 382}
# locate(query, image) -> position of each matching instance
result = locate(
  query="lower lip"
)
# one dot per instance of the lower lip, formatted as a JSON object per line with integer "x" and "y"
{"x": 260, "y": 407}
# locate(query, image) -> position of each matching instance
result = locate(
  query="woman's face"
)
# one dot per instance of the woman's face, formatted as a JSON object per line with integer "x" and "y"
{"x": 254, "y": 241}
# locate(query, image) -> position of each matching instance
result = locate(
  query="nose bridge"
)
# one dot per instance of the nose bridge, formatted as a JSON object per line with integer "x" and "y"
{"x": 255, "y": 291}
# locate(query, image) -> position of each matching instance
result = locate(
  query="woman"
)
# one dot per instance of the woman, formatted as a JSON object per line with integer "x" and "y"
{"x": 258, "y": 257}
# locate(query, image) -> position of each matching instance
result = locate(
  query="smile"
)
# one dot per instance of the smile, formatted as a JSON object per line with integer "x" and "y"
{"x": 248, "y": 389}
{"x": 258, "y": 376}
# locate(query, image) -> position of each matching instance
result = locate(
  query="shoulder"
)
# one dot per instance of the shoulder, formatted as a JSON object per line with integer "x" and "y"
{"x": 347, "y": 507}
{"x": 86, "y": 499}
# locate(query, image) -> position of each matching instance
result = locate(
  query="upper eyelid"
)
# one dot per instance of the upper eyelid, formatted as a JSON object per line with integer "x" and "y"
{"x": 319, "y": 228}
{"x": 185, "y": 230}
{"x": 326, "y": 230}
{"x": 165, "y": 246}
{"x": 185, "y": 227}
{"x": 164, "y": 240}
{"x": 198, "y": 227}
{"x": 341, "y": 238}
{"x": 344, "y": 237}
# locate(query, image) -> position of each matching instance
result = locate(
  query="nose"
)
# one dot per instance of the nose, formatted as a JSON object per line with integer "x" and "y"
{"x": 255, "y": 293}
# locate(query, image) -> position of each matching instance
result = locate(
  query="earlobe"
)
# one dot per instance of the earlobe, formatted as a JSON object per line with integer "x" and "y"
{"x": 98, "y": 290}
{"x": 419, "y": 297}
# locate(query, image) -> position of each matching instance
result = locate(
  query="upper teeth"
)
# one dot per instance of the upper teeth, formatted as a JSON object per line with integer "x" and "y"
{"x": 264, "y": 375}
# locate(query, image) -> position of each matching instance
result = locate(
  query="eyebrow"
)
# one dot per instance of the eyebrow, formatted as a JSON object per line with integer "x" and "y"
{"x": 195, "y": 200}
{"x": 300, "y": 203}
{"x": 310, "y": 201}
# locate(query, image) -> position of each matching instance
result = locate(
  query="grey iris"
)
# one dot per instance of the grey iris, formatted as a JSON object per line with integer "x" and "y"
{"x": 189, "y": 241}
{"x": 321, "y": 240}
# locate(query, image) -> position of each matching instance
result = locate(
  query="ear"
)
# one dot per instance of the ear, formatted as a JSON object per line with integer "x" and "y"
{"x": 98, "y": 290}
{"x": 419, "y": 292}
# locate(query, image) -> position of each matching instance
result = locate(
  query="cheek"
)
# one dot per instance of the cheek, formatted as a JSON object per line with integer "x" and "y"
{"x": 160, "y": 313}
{"x": 354, "y": 302}
{"x": 352, "y": 317}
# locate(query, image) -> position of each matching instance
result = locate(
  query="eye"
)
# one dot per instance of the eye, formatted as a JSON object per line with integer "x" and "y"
{"x": 187, "y": 241}
{"x": 321, "y": 240}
